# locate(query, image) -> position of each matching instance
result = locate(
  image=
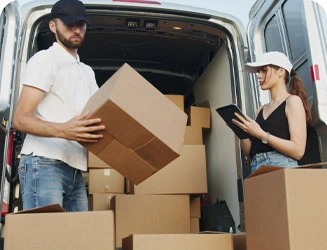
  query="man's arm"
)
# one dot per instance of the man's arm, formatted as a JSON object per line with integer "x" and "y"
{"x": 77, "y": 128}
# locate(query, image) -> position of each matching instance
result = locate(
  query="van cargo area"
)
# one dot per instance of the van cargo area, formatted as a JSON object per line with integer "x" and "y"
{"x": 195, "y": 57}
{"x": 179, "y": 52}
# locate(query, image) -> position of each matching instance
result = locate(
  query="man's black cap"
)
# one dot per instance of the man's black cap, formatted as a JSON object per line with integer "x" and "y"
{"x": 69, "y": 11}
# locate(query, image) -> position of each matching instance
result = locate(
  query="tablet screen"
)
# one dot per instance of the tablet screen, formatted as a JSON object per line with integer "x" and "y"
{"x": 227, "y": 113}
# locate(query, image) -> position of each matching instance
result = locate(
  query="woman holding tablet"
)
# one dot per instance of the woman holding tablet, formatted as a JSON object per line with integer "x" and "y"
{"x": 279, "y": 132}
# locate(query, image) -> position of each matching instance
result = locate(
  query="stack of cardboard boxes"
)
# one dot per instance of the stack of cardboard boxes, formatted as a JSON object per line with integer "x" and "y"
{"x": 103, "y": 183}
{"x": 162, "y": 203}
{"x": 143, "y": 148}
{"x": 144, "y": 177}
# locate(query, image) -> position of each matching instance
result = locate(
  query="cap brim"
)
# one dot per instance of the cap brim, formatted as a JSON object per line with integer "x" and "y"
{"x": 73, "y": 19}
{"x": 253, "y": 67}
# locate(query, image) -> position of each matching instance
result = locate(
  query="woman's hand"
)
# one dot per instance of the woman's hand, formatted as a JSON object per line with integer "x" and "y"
{"x": 249, "y": 126}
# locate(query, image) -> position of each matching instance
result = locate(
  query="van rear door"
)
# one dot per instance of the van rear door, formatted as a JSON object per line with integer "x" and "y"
{"x": 297, "y": 28}
{"x": 9, "y": 37}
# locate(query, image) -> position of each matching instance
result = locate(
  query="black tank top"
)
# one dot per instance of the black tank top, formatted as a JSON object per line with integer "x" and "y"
{"x": 276, "y": 124}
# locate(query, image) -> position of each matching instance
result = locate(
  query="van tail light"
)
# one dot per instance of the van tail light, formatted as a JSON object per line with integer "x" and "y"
{"x": 314, "y": 70}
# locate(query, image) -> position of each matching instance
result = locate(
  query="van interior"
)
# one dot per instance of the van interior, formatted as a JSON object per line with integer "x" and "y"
{"x": 171, "y": 54}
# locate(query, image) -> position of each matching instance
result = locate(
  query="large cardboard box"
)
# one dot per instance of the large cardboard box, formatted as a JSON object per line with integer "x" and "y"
{"x": 178, "y": 242}
{"x": 144, "y": 129}
{"x": 285, "y": 209}
{"x": 185, "y": 175}
{"x": 103, "y": 181}
{"x": 50, "y": 228}
{"x": 150, "y": 214}
{"x": 178, "y": 100}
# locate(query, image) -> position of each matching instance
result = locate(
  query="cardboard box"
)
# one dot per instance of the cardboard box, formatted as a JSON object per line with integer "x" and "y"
{"x": 195, "y": 207}
{"x": 195, "y": 225}
{"x": 95, "y": 162}
{"x": 178, "y": 242}
{"x": 129, "y": 187}
{"x": 50, "y": 228}
{"x": 185, "y": 175}
{"x": 144, "y": 129}
{"x": 106, "y": 181}
{"x": 178, "y": 100}
{"x": 198, "y": 116}
{"x": 285, "y": 209}
{"x": 239, "y": 240}
{"x": 193, "y": 136}
{"x": 150, "y": 214}
{"x": 101, "y": 202}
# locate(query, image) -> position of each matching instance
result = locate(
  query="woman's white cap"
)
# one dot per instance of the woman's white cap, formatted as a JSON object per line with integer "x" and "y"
{"x": 270, "y": 58}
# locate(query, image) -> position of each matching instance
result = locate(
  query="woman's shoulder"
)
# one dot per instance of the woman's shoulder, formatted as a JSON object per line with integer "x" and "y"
{"x": 293, "y": 99}
{"x": 294, "y": 102}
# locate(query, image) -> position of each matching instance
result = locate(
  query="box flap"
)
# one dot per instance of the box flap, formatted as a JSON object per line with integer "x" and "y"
{"x": 270, "y": 168}
{"x": 313, "y": 165}
{"x": 53, "y": 208}
{"x": 212, "y": 232}
{"x": 265, "y": 169}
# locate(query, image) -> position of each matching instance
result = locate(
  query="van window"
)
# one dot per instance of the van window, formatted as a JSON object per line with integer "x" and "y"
{"x": 294, "y": 30}
{"x": 284, "y": 32}
{"x": 272, "y": 34}
{"x": 294, "y": 27}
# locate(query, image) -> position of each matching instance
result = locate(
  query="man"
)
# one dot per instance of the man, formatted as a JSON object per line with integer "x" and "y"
{"x": 55, "y": 90}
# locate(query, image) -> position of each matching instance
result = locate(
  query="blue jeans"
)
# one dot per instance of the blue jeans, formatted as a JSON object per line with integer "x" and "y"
{"x": 272, "y": 158}
{"x": 45, "y": 181}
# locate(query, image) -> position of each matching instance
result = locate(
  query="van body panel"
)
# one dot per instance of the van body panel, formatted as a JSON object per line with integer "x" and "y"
{"x": 9, "y": 40}
{"x": 4, "y": 3}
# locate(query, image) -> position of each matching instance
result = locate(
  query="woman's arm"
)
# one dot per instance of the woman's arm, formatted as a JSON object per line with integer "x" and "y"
{"x": 295, "y": 113}
{"x": 246, "y": 146}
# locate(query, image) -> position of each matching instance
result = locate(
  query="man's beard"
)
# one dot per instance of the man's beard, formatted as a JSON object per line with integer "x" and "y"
{"x": 68, "y": 43}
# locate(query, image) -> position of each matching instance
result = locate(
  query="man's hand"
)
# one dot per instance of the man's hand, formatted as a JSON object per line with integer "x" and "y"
{"x": 81, "y": 129}
{"x": 78, "y": 128}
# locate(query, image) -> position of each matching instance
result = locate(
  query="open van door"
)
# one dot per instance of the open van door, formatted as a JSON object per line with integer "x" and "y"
{"x": 299, "y": 29}
{"x": 9, "y": 37}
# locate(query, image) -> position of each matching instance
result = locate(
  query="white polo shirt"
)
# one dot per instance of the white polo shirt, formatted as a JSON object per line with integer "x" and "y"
{"x": 68, "y": 84}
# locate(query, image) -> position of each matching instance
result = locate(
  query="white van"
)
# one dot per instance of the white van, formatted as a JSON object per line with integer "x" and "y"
{"x": 194, "y": 52}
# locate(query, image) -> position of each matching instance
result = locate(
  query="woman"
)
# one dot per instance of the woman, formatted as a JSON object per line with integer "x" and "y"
{"x": 278, "y": 133}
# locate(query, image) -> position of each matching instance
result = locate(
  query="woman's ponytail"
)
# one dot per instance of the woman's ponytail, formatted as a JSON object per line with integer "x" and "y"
{"x": 297, "y": 88}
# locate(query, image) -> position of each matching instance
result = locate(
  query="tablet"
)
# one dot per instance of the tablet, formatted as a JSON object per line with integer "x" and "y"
{"x": 227, "y": 113}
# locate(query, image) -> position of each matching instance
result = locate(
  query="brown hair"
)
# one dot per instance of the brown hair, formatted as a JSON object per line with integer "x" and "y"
{"x": 297, "y": 88}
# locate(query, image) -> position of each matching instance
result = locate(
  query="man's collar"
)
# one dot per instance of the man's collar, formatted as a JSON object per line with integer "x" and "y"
{"x": 65, "y": 53}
